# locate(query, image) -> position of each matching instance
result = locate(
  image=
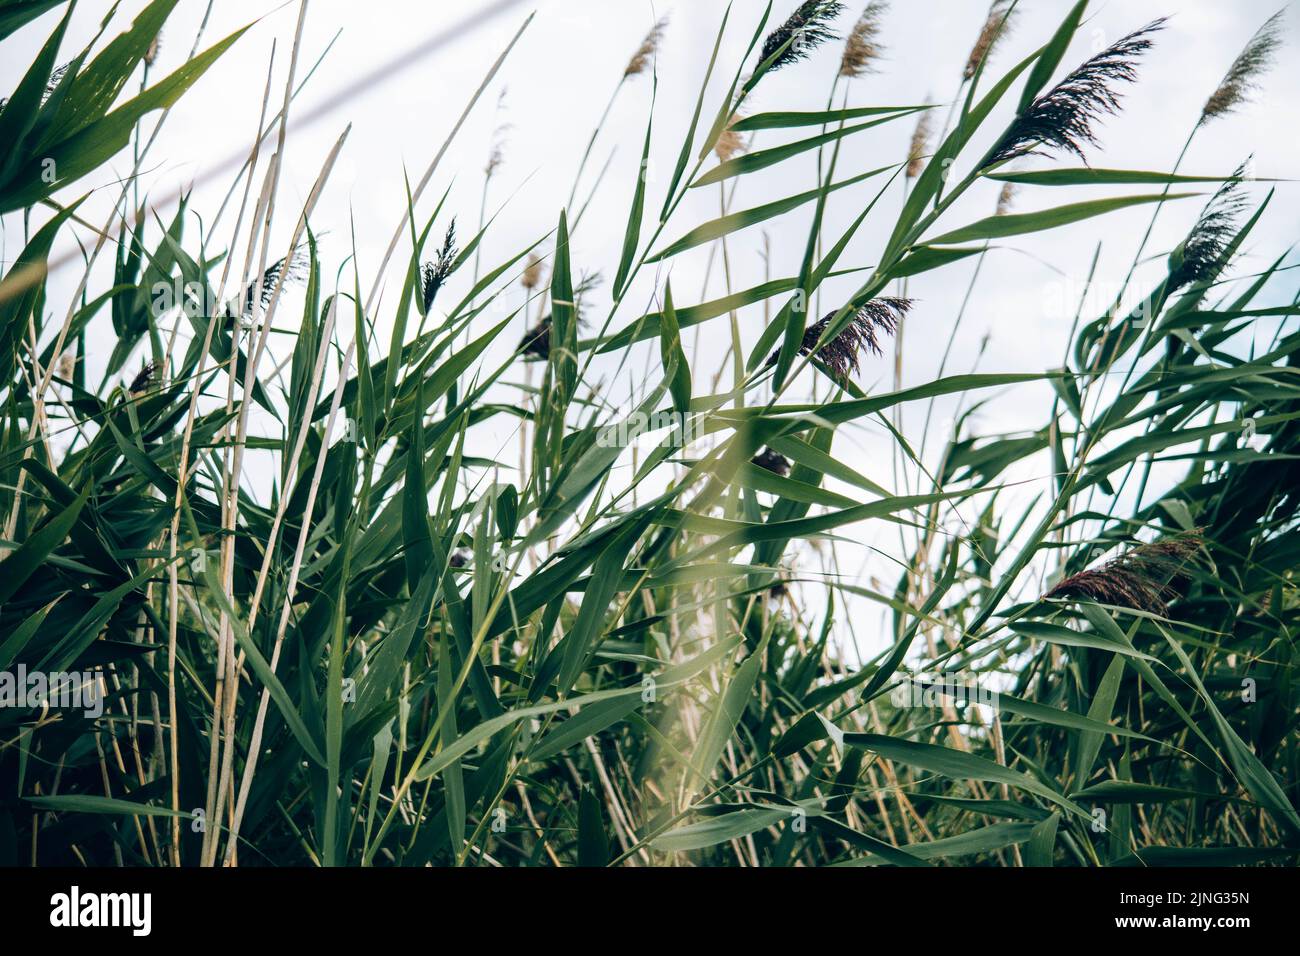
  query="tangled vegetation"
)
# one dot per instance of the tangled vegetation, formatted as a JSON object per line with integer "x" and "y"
{"x": 388, "y": 648}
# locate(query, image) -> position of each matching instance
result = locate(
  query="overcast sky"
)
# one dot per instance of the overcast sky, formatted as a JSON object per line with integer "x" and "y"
{"x": 544, "y": 103}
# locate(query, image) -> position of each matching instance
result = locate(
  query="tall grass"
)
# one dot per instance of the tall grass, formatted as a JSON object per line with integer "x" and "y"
{"x": 387, "y": 649}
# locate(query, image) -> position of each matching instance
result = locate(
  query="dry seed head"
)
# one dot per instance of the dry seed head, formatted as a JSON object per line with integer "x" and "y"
{"x": 435, "y": 273}
{"x": 772, "y": 461}
{"x": 1205, "y": 251}
{"x": 1243, "y": 75}
{"x": 920, "y": 145}
{"x": 155, "y": 45}
{"x": 842, "y": 354}
{"x": 293, "y": 268}
{"x": 1063, "y": 117}
{"x": 143, "y": 378}
{"x": 862, "y": 48}
{"x": 1005, "y": 197}
{"x": 996, "y": 27}
{"x": 1139, "y": 578}
{"x": 67, "y": 365}
{"x": 532, "y": 272}
{"x": 805, "y": 29}
{"x": 730, "y": 143}
{"x": 646, "y": 51}
{"x": 497, "y": 155}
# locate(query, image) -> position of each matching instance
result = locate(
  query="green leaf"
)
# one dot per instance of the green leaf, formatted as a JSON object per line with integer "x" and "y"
{"x": 727, "y": 826}
{"x": 676, "y": 369}
{"x": 586, "y": 723}
{"x": 733, "y": 222}
{"x": 89, "y": 803}
{"x": 31, "y": 554}
{"x": 956, "y": 764}
{"x": 1015, "y": 224}
{"x": 816, "y": 117}
{"x": 763, "y": 158}
{"x": 632, "y": 235}
{"x": 93, "y": 145}
{"x": 1064, "y": 636}
{"x": 1042, "y": 841}
{"x": 593, "y": 844}
{"x": 1102, "y": 177}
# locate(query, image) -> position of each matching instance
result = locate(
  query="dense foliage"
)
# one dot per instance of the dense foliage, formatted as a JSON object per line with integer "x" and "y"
{"x": 399, "y": 651}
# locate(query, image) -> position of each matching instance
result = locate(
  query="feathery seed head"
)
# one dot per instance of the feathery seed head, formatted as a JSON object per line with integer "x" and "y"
{"x": 997, "y": 25}
{"x": 646, "y": 51}
{"x": 919, "y": 146}
{"x": 292, "y": 268}
{"x": 842, "y": 354}
{"x": 537, "y": 340}
{"x": 772, "y": 461}
{"x": 805, "y": 30}
{"x": 532, "y": 272}
{"x": 1063, "y": 117}
{"x": 67, "y": 364}
{"x": 435, "y": 273}
{"x": 1005, "y": 197}
{"x": 1203, "y": 254}
{"x": 143, "y": 378}
{"x": 862, "y": 48}
{"x": 731, "y": 143}
{"x": 1243, "y": 75}
{"x": 1139, "y": 579}
{"x": 155, "y": 45}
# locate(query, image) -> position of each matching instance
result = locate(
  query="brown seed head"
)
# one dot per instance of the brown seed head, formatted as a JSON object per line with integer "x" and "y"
{"x": 646, "y": 51}
{"x": 1140, "y": 578}
{"x": 919, "y": 146}
{"x": 996, "y": 27}
{"x": 532, "y": 272}
{"x": 862, "y": 48}
{"x": 1243, "y": 75}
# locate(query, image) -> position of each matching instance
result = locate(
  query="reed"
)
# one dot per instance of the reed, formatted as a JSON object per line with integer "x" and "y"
{"x": 334, "y": 626}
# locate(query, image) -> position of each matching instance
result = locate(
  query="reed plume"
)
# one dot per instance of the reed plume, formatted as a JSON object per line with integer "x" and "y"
{"x": 997, "y": 25}
{"x": 143, "y": 378}
{"x": 435, "y": 273}
{"x": 537, "y": 340}
{"x": 772, "y": 461}
{"x": 154, "y": 48}
{"x": 293, "y": 268}
{"x": 730, "y": 143}
{"x": 532, "y": 275}
{"x": 1063, "y": 117}
{"x": 1005, "y": 198}
{"x": 1243, "y": 76}
{"x": 52, "y": 84}
{"x": 1204, "y": 253}
{"x": 496, "y": 155}
{"x": 862, "y": 48}
{"x": 805, "y": 30}
{"x": 919, "y": 146}
{"x": 67, "y": 364}
{"x": 1139, "y": 579}
{"x": 842, "y": 354}
{"x": 647, "y": 50}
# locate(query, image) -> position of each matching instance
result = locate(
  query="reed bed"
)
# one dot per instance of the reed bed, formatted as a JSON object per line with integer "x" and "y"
{"x": 632, "y": 645}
